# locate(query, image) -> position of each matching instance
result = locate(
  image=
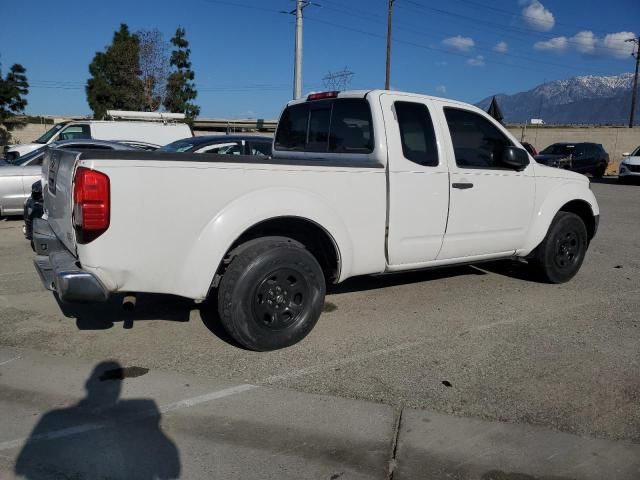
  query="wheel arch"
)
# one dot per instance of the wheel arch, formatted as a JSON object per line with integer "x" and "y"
{"x": 312, "y": 235}
{"x": 583, "y": 210}
{"x": 568, "y": 197}
{"x": 300, "y": 215}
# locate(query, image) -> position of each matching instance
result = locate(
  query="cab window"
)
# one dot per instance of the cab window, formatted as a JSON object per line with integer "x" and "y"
{"x": 329, "y": 126}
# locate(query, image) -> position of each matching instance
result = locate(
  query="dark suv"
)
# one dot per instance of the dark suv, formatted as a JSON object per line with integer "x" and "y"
{"x": 578, "y": 157}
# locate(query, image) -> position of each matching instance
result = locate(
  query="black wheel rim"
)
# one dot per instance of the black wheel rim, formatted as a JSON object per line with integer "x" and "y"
{"x": 280, "y": 299}
{"x": 568, "y": 249}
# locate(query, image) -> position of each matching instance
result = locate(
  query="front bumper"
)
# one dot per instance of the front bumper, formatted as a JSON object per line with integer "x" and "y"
{"x": 61, "y": 272}
{"x": 629, "y": 170}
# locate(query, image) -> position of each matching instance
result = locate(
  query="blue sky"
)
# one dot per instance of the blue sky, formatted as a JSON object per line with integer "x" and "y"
{"x": 242, "y": 50}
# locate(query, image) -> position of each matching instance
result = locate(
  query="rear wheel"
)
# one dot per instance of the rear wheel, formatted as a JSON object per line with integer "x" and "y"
{"x": 272, "y": 294}
{"x": 560, "y": 255}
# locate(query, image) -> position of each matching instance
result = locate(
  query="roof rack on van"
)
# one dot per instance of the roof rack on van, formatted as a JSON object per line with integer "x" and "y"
{"x": 151, "y": 116}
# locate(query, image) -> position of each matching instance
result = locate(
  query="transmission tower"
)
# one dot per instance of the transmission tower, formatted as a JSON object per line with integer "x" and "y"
{"x": 338, "y": 81}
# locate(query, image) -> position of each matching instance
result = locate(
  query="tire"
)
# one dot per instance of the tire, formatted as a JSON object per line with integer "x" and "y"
{"x": 272, "y": 294}
{"x": 560, "y": 255}
{"x": 600, "y": 171}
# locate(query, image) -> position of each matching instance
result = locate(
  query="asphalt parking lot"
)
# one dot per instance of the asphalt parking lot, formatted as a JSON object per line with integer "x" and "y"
{"x": 484, "y": 342}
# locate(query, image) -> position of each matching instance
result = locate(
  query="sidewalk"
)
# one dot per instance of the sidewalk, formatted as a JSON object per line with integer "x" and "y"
{"x": 83, "y": 421}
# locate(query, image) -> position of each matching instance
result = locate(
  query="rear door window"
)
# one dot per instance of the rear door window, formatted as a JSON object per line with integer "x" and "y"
{"x": 416, "y": 133}
{"x": 331, "y": 126}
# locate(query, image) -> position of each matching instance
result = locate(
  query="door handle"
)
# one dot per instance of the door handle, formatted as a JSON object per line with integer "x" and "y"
{"x": 462, "y": 186}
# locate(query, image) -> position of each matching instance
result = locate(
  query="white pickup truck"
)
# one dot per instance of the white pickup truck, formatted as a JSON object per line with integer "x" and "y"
{"x": 360, "y": 182}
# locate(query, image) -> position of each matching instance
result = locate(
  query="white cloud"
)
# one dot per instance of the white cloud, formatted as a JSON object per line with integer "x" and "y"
{"x": 441, "y": 89}
{"x": 477, "y": 61}
{"x": 614, "y": 44}
{"x": 501, "y": 47}
{"x": 556, "y": 44}
{"x": 464, "y": 44}
{"x": 584, "y": 42}
{"x": 537, "y": 16}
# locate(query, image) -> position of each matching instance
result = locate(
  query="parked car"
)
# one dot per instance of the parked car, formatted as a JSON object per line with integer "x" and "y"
{"x": 16, "y": 180}
{"x": 529, "y": 148}
{"x": 630, "y": 166}
{"x": 360, "y": 182}
{"x": 33, "y": 206}
{"x": 150, "y": 133}
{"x": 16, "y": 177}
{"x": 223, "y": 145}
{"x": 578, "y": 157}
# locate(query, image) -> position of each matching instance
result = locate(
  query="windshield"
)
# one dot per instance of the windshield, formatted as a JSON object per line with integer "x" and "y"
{"x": 636, "y": 152}
{"x": 50, "y": 133}
{"x": 558, "y": 149}
{"x": 22, "y": 160}
{"x": 179, "y": 147}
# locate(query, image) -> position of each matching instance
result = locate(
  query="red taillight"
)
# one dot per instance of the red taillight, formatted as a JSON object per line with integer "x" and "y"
{"x": 322, "y": 95}
{"x": 91, "y": 204}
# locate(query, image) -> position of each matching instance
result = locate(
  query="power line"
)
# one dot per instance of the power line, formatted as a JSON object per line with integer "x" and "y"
{"x": 485, "y": 49}
{"x": 514, "y": 14}
{"x": 418, "y": 45}
{"x": 475, "y": 21}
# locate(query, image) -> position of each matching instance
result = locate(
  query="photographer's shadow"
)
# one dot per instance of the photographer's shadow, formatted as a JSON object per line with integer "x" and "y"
{"x": 101, "y": 436}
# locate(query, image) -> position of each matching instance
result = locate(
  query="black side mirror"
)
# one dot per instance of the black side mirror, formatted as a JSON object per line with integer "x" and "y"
{"x": 515, "y": 157}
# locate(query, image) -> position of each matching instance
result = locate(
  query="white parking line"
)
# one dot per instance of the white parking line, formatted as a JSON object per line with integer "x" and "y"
{"x": 89, "y": 427}
{"x": 342, "y": 361}
{"x": 16, "y": 273}
{"x": 10, "y": 360}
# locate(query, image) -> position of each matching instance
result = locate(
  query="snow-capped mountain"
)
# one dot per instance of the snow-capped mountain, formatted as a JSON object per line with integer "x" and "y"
{"x": 589, "y": 99}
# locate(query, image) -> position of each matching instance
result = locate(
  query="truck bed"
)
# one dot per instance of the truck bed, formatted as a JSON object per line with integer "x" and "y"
{"x": 173, "y": 216}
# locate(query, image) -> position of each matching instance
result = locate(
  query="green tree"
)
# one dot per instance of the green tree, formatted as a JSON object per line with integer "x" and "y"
{"x": 13, "y": 90}
{"x": 180, "y": 85}
{"x": 115, "y": 82}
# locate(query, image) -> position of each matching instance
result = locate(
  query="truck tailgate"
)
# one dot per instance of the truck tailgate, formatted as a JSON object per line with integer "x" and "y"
{"x": 58, "y": 194}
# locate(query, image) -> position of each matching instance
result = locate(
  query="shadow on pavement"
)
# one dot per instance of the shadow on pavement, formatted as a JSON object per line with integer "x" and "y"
{"x": 101, "y": 436}
{"x": 374, "y": 282}
{"x": 606, "y": 180}
{"x": 511, "y": 269}
{"x": 101, "y": 316}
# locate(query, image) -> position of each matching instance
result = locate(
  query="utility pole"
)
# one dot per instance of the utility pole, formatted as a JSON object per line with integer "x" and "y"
{"x": 297, "y": 57}
{"x": 387, "y": 84}
{"x": 297, "y": 66}
{"x": 634, "y": 92}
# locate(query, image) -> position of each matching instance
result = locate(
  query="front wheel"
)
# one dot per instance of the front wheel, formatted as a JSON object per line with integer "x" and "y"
{"x": 560, "y": 255}
{"x": 272, "y": 294}
{"x": 600, "y": 171}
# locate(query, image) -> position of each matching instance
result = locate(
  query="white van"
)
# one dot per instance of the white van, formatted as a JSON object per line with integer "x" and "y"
{"x": 157, "y": 133}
